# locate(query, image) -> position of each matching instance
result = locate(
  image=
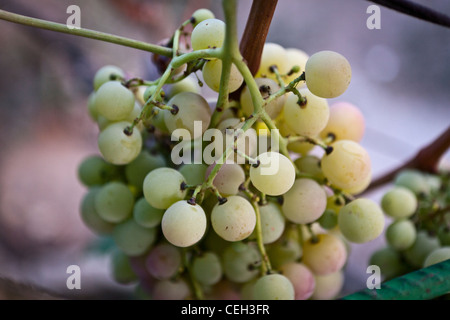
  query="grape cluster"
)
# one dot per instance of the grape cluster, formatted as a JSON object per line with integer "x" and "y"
{"x": 418, "y": 234}
{"x": 269, "y": 223}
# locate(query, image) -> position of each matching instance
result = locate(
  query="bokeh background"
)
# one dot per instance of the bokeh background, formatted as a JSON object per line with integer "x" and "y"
{"x": 401, "y": 82}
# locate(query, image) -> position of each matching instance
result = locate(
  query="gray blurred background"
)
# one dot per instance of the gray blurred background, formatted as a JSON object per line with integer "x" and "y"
{"x": 401, "y": 82}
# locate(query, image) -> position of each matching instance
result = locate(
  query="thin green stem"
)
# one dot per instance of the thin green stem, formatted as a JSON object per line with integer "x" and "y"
{"x": 86, "y": 33}
{"x": 265, "y": 266}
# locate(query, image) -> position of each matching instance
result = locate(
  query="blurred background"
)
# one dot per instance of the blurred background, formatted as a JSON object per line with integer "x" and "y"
{"x": 401, "y": 81}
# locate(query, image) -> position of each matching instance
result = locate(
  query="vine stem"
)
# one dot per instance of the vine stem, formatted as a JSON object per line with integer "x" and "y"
{"x": 86, "y": 33}
{"x": 265, "y": 266}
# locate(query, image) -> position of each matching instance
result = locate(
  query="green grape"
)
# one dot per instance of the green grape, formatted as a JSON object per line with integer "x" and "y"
{"x": 434, "y": 182}
{"x": 328, "y": 74}
{"x": 228, "y": 179}
{"x": 158, "y": 121}
{"x": 335, "y": 203}
{"x": 389, "y": 261}
{"x": 114, "y": 202}
{"x": 193, "y": 115}
{"x": 193, "y": 173}
{"x": 188, "y": 84}
{"x": 117, "y": 147}
{"x": 233, "y": 220}
{"x": 133, "y": 239}
{"x": 273, "y": 287}
{"x": 327, "y": 254}
{"x": 207, "y": 268}
{"x": 212, "y": 73}
{"x": 347, "y": 166}
{"x": 296, "y": 57}
{"x": 328, "y": 220}
{"x": 240, "y": 262}
{"x": 107, "y": 73}
{"x": 301, "y": 278}
{"x": 310, "y": 164}
{"x": 422, "y": 247}
{"x": 163, "y": 261}
{"x": 272, "y": 55}
{"x": 274, "y": 175}
{"x": 308, "y": 119}
{"x": 91, "y": 107}
{"x": 444, "y": 236}
{"x": 184, "y": 224}
{"x": 300, "y": 147}
{"x": 361, "y": 220}
{"x": 137, "y": 170}
{"x": 399, "y": 202}
{"x": 305, "y": 202}
{"x": 401, "y": 234}
{"x": 266, "y": 87}
{"x": 413, "y": 180}
{"x": 346, "y": 122}
{"x": 200, "y": 15}
{"x": 329, "y": 286}
{"x": 272, "y": 222}
{"x": 162, "y": 187}
{"x": 436, "y": 256}
{"x": 247, "y": 290}
{"x": 209, "y": 33}
{"x": 94, "y": 170}
{"x": 171, "y": 289}
{"x": 145, "y": 215}
{"x": 114, "y": 101}
{"x": 150, "y": 90}
{"x": 121, "y": 269}
{"x": 90, "y": 216}
{"x": 286, "y": 249}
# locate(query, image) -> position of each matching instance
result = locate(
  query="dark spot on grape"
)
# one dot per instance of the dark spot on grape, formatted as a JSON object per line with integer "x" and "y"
{"x": 174, "y": 109}
{"x": 328, "y": 150}
{"x": 128, "y": 131}
{"x": 256, "y": 165}
{"x": 222, "y": 201}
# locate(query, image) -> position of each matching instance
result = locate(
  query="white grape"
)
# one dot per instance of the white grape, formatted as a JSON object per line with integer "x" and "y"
{"x": 113, "y": 101}
{"x": 209, "y": 33}
{"x": 107, "y": 73}
{"x": 212, "y": 72}
{"x": 273, "y": 287}
{"x": 346, "y": 122}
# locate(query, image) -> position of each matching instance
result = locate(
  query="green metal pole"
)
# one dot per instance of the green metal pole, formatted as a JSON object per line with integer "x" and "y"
{"x": 424, "y": 284}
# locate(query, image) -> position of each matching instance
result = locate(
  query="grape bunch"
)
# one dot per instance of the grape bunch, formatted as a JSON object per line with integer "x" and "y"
{"x": 248, "y": 193}
{"x": 418, "y": 233}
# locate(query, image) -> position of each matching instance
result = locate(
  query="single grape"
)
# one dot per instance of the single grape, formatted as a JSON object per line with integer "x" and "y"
{"x": 209, "y": 33}
{"x": 302, "y": 279}
{"x": 300, "y": 147}
{"x": 401, "y": 234}
{"x": 133, "y": 239}
{"x": 193, "y": 115}
{"x": 310, "y": 164}
{"x": 328, "y": 286}
{"x": 273, "y": 287}
{"x": 328, "y": 220}
{"x": 324, "y": 255}
{"x": 163, "y": 261}
{"x": 305, "y": 202}
{"x": 328, "y": 74}
{"x": 413, "y": 180}
{"x": 184, "y": 224}
{"x": 436, "y": 256}
{"x": 162, "y": 187}
{"x": 117, "y": 147}
{"x": 274, "y": 175}
{"x": 107, "y": 73}
{"x": 306, "y": 119}
{"x": 361, "y": 220}
{"x": 207, "y": 268}
{"x": 296, "y": 57}
{"x": 212, "y": 73}
{"x": 114, "y": 202}
{"x": 422, "y": 247}
{"x": 266, "y": 87}
{"x": 91, "y": 107}
{"x": 346, "y": 122}
{"x": 347, "y": 166}
{"x": 272, "y": 222}
{"x": 94, "y": 170}
{"x": 137, "y": 170}
{"x": 188, "y": 84}
{"x": 389, "y": 261}
{"x": 273, "y": 54}
{"x": 193, "y": 173}
{"x": 121, "y": 269}
{"x": 171, "y": 289}
{"x": 113, "y": 101}
{"x": 228, "y": 179}
{"x": 233, "y": 220}
{"x": 90, "y": 216}
{"x": 399, "y": 202}
{"x": 145, "y": 215}
{"x": 200, "y": 15}
{"x": 240, "y": 262}
{"x": 286, "y": 249}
